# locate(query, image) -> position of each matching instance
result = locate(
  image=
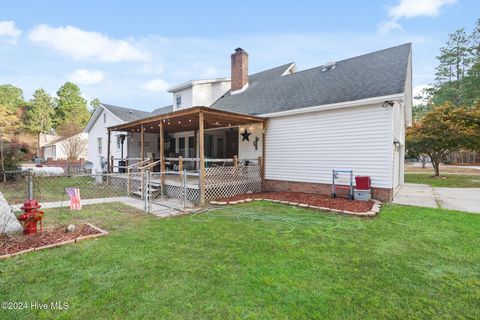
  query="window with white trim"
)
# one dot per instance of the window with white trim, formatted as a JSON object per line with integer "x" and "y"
{"x": 178, "y": 101}
{"x": 104, "y": 117}
{"x": 99, "y": 144}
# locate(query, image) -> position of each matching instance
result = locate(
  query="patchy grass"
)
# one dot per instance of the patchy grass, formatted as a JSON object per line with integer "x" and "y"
{"x": 444, "y": 169}
{"x": 257, "y": 260}
{"x": 52, "y": 188}
{"x": 445, "y": 180}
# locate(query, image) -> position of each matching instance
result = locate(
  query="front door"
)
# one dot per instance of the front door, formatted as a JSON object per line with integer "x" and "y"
{"x": 231, "y": 147}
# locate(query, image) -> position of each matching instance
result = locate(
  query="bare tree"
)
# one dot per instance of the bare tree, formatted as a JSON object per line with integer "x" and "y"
{"x": 74, "y": 146}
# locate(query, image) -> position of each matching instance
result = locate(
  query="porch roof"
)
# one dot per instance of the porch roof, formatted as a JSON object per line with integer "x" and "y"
{"x": 188, "y": 120}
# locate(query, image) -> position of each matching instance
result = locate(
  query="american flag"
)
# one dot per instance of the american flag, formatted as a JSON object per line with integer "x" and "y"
{"x": 74, "y": 194}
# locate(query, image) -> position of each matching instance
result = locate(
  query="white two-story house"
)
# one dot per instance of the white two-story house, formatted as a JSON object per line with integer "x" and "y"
{"x": 347, "y": 115}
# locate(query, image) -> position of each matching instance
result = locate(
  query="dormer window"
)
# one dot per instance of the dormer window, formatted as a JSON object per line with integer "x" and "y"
{"x": 178, "y": 101}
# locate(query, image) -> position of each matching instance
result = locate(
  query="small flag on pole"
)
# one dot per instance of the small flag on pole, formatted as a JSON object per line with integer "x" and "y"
{"x": 74, "y": 194}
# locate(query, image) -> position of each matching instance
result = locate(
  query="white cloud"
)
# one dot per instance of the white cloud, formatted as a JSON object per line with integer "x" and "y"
{"x": 9, "y": 32}
{"x": 416, "y": 8}
{"x": 156, "y": 85}
{"x": 82, "y": 44}
{"x": 385, "y": 27}
{"x": 410, "y": 9}
{"x": 86, "y": 77}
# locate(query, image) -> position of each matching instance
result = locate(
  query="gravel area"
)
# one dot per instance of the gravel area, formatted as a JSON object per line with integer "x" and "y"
{"x": 310, "y": 199}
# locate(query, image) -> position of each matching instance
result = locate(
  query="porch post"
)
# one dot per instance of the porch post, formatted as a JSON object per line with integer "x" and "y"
{"x": 202, "y": 159}
{"x": 109, "y": 167}
{"x": 142, "y": 157}
{"x": 264, "y": 127}
{"x": 162, "y": 147}
{"x": 195, "y": 149}
{"x": 142, "y": 142}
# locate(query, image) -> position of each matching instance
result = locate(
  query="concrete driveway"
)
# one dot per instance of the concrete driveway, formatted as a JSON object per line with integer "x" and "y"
{"x": 422, "y": 195}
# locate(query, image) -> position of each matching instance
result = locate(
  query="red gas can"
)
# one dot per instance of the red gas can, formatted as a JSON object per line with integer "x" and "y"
{"x": 362, "y": 182}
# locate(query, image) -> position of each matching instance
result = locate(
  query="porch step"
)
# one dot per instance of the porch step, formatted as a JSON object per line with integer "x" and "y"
{"x": 138, "y": 191}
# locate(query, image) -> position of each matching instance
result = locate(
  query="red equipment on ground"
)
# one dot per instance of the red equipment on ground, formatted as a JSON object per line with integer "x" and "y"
{"x": 362, "y": 182}
{"x": 31, "y": 216}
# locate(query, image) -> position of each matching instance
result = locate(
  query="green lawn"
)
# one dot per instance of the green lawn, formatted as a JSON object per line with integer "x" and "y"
{"x": 446, "y": 180}
{"x": 260, "y": 261}
{"x": 52, "y": 188}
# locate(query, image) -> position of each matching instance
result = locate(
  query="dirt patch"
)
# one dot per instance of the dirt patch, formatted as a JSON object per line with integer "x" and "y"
{"x": 310, "y": 199}
{"x": 20, "y": 242}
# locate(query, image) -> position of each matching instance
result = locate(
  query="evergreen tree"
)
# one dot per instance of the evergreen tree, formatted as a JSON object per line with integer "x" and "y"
{"x": 454, "y": 61}
{"x": 71, "y": 107}
{"x": 94, "y": 104}
{"x": 39, "y": 115}
{"x": 11, "y": 97}
{"x": 38, "y": 118}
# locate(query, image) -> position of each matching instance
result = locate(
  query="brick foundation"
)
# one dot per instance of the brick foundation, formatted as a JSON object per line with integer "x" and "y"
{"x": 381, "y": 194}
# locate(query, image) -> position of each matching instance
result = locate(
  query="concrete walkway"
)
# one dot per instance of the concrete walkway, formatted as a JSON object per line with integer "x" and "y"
{"x": 165, "y": 208}
{"x": 422, "y": 195}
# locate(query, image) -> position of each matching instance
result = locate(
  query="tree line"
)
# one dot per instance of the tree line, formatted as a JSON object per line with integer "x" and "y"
{"x": 449, "y": 120}
{"x": 65, "y": 114}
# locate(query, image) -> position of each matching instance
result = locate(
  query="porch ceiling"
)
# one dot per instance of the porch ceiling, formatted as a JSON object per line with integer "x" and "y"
{"x": 188, "y": 120}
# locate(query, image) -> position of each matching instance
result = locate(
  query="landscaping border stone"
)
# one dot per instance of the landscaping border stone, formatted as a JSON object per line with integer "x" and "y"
{"x": 373, "y": 211}
{"x": 53, "y": 245}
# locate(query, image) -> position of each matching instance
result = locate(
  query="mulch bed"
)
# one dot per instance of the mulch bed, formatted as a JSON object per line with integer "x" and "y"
{"x": 310, "y": 199}
{"x": 48, "y": 237}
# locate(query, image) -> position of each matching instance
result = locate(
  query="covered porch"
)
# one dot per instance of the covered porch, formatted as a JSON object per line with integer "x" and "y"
{"x": 219, "y": 153}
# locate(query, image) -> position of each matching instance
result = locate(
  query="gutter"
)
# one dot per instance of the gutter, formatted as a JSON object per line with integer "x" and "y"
{"x": 333, "y": 106}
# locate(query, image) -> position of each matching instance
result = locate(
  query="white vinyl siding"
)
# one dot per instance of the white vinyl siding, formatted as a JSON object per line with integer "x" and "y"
{"x": 398, "y": 122}
{"x": 246, "y": 149}
{"x": 99, "y": 130}
{"x": 306, "y": 147}
{"x": 201, "y": 94}
{"x": 186, "y": 99}
{"x": 208, "y": 93}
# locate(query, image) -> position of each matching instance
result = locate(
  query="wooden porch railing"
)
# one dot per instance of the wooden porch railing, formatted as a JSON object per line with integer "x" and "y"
{"x": 147, "y": 164}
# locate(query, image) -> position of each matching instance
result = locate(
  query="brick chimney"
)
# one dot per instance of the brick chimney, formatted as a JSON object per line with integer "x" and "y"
{"x": 239, "y": 69}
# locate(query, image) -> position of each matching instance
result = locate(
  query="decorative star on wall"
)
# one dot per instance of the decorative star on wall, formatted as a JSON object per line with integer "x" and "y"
{"x": 245, "y": 135}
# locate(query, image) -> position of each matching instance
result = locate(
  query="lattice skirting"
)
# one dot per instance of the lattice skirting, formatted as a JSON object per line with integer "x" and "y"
{"x": 193, "y": 195}
{"x": 222, "y": 182}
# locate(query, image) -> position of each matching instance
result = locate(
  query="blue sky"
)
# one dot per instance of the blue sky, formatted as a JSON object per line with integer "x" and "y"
{"x": 129, "y": 52}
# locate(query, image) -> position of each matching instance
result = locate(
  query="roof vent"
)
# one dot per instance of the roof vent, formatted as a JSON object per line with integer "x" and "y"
{"x": 328, "y": 66}
{"x": 130, "y": 111}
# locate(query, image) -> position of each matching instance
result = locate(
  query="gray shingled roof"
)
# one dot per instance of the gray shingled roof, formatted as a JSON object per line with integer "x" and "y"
{"x": 126, "y": 114}
{"x": 371, "y": 75}
{"x": 162, "y": 110}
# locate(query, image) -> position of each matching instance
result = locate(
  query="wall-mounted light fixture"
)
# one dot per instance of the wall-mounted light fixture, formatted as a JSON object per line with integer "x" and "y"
{"x": 396, "y": 143}
{"x": 388, "y": 103}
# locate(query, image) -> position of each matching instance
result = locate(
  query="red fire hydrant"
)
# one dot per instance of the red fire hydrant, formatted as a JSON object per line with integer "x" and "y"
{"x": 31, "y": 216}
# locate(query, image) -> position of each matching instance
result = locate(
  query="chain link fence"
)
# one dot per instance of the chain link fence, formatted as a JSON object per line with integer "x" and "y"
{"x": 89, "y": 197}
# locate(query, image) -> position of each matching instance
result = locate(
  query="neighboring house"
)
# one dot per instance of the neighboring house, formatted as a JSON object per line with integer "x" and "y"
{"x": 348, "y": 115}
{"x": 60, "y": 148}
{"x": 106, "y": 115}
{"x": 43, "y": 139}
